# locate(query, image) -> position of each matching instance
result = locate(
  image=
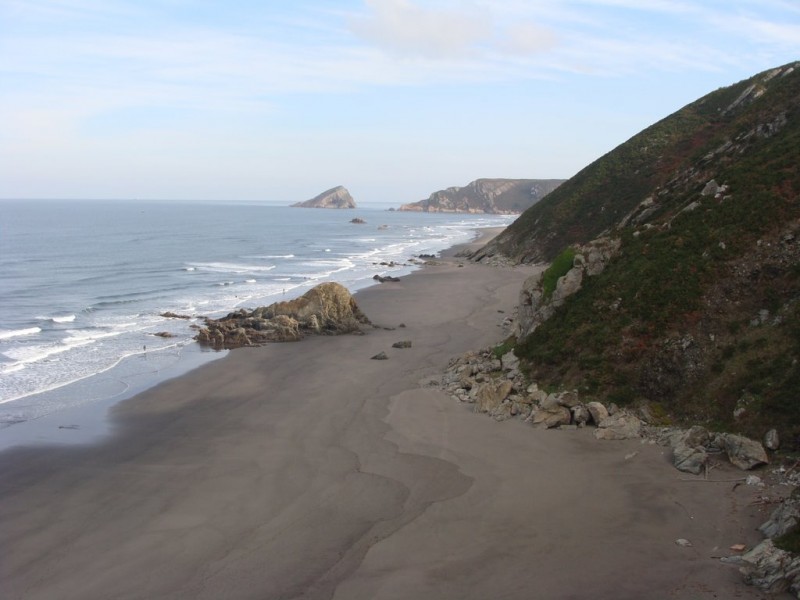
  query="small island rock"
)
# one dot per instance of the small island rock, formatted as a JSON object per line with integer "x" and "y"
{"x": 337, "y": 197}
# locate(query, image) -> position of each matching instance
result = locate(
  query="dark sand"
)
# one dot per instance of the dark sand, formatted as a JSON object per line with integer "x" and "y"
{"x": 308, "y": 470}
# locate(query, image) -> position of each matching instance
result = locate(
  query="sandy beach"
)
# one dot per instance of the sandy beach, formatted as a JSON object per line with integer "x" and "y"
{"x": 307, "y": 470}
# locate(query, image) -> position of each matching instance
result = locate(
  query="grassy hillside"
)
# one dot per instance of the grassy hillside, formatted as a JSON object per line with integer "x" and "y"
{"x": 599, "y": 196}
{"x": 699, "y": 314}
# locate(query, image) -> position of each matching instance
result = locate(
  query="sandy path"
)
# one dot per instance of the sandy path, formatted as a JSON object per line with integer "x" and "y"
{"x": 310, "y": 471}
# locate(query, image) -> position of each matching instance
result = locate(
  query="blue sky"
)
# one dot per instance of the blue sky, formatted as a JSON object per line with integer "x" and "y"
{"x": 278, "y": 101}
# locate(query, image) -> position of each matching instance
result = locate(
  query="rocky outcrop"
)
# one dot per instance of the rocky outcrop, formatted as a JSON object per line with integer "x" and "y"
{"x": 326, "y": 309}
{"x": 493, "y": 196}
{"x": 337, "y": 197}
{"x": 535, "y": 306}
{"x": 496, "y": 387}
{"x": 768, "y": 567}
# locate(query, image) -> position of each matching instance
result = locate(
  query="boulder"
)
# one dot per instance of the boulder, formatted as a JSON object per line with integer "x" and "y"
{"x": 619, "y": 427}
{"x": 744, "y": 452}
{"x": 688, "y": 452}
{"x": 491, "y": 394}
{"x": 550, "y": 402}
{"x": 553, "y": 416}
{"x": 380, "y": 356}
{"x": 568, "y": 399}
{"x": 402, "y": 344}
{"x": 580, "y": 415}
{"x": 771, "y": 440}
{"x": 598, "y": 412}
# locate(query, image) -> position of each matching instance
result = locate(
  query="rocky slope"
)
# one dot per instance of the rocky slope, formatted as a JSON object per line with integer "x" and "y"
{"x": 492, "y": 196}
{"x": 674, "y": 280}
{"x": 337, "y": 197}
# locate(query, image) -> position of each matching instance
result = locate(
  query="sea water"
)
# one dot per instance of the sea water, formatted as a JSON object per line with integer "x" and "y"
{"x": 84, "y": 285}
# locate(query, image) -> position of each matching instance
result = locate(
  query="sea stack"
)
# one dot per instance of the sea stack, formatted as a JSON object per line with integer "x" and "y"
{"x": 337, "y": 197}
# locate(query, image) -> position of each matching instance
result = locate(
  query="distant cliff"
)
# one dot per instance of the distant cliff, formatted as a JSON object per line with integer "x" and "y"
{"x": 493, "y": 196}
{"x": 337, "y": 197}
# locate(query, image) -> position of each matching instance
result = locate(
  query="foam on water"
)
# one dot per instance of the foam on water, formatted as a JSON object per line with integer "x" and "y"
{"x": 8, "y": 334}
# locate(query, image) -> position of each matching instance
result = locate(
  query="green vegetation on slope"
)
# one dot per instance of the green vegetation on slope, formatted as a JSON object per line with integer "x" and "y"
{"x": 700, "y": 311}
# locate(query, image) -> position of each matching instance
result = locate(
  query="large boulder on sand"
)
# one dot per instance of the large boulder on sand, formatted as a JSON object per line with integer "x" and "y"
{"x": 325, "y": 309}
{"x": 328, "y": 308}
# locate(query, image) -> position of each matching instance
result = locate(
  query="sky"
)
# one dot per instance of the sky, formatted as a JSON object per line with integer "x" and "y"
{"x": 248, "y": 100}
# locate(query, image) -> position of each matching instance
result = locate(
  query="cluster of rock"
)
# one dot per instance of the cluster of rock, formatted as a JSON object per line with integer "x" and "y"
{"x": 693, "y": 447}
{"x": 401, "y": 345}
{"x": 326, "y": 309}
{"x": 535, "y": 307}
{"x": 497, "y": 388}
{"x": 767, "y": 566}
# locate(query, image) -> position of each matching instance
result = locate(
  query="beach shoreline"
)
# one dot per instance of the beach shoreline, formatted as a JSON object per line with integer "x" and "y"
{"x": 86, "y": 421}
{"x": 307, "y": 470}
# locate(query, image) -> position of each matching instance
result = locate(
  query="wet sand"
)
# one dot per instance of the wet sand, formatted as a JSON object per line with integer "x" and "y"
{"x": 307, "y": 470}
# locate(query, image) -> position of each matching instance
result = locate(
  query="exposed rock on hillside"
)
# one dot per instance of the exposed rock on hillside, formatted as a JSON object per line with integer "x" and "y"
{"x": 337, "y": 197}
{"x": 325, "y": 309}
{"x": 493, "y": 196}
{"x": 537, "y": 302}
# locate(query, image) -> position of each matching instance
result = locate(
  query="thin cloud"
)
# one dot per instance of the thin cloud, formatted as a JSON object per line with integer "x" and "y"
{"x": 405, "y": 28}
{"x": 528, "y": 39}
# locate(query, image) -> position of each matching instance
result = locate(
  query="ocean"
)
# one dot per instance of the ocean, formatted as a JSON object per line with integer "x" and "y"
{"x": 84, "y": 283}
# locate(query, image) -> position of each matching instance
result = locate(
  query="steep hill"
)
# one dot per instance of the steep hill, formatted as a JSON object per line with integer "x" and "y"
{"x": 695, "y": 307}
{"x": 337, "y": 197}
{"x": 493, "y": 196}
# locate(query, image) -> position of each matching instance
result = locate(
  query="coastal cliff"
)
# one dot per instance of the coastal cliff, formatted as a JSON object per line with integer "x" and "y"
{"x": 337, "y": 197}
{"x": 491, "y": 196}
{"x": 674, "y": 277}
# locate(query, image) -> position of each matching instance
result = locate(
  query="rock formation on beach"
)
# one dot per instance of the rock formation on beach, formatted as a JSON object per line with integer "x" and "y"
{"x": 337, "y": 197}
{"x": 326, "y": 309}
{"x": 493, "y": 196}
